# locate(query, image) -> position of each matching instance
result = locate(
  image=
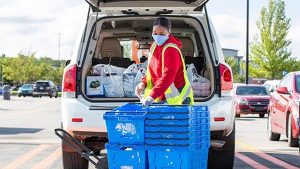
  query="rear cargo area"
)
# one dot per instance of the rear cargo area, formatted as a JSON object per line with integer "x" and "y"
{"x": 117, "y": 61}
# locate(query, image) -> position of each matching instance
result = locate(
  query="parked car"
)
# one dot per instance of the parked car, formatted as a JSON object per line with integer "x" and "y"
{"x": 25, "y": 90}
{"x": 59, "y": 88}
{"x": 45, "y": 88}
{"x": 284, "y": 109}
{"x": 251, "y": 99}
{"x": 132, "y": 20}
{"x": 271, "y": 85}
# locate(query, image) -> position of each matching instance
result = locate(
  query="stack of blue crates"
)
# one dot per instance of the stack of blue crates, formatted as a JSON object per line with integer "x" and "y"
{"x": 126, "y": 146}
{"x": 177, "y": 137}
{"x": 158, "y": 137}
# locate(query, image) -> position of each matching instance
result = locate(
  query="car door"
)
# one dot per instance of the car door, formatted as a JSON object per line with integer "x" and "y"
{"x": 282, "y": 103}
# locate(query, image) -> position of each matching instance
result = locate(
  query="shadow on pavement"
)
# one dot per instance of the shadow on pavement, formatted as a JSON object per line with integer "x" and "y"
{"x": 12, "y": 130}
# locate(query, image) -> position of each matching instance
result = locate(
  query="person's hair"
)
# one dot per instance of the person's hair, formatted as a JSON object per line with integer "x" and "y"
{"x": 162, "y": 21}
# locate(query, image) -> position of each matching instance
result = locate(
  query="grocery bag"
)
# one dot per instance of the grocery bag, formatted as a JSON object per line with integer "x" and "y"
{"x": 113, "y": 83}
{"x": 132, "y": 69}
{"x": 139, "y": 75}
{"x": 191, "y": 70}
{"x": 103, "y": 69}
{"x": 131, "y": 80}
{"x": 200, "y": 86}
{"x": 94, "y": 86}
{"x": 128, "y": 84}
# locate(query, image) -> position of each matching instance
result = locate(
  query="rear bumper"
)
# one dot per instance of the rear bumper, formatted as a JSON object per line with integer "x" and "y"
{"x": 93, "y": 122}
{"x": 25, "y": 94}
{"x": 246, "y": 109}
{"x": 42, "y": 93}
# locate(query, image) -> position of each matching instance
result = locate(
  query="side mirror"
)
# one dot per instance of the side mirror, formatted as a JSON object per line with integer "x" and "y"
{"x": 68, "y": 62}
{"x": 282, "y": 90}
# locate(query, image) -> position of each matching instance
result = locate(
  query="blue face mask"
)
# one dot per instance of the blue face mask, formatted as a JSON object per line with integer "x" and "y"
{"x": 160, "y": 39}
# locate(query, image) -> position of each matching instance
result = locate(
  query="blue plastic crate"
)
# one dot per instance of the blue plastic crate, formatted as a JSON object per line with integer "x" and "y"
{"x": 167, "y": 122}
{"x": 177, "y": 158}
{"x": 125, "y": 127}
{"x": 126, "y": 157}
{"x": 167, "y": 129}
{"x": 176, "y": 135}
{"x": 168, "y": 116}
{"x": 177, "y": 129}
{"x": 199, "y": 140}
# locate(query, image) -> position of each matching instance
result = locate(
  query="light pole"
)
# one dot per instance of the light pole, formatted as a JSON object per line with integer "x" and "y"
{"x": 59, "y": 46}
{"x": 247, "y": 45}
{"x": 1, "y": 72}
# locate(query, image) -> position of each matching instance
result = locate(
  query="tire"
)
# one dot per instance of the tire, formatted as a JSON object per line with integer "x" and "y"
{"x": 19, "y": 95}
{"x": 73, "y": 160}
{"x": 272, "y": 136}
{"x": 224, "y": 158}
{"x": 50, "y": 96}
{"x": 237, "y": 115}
{"x": 293, "y": 142}
{"x": 56, "y": 95}
{"x": 261, "y": 115}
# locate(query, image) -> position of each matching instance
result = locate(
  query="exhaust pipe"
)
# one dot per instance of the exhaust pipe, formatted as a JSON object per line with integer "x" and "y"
{"x": 217, "y": 143}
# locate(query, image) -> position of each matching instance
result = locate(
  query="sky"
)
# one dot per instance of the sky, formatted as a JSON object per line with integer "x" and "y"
{"x": 34, "y": 25}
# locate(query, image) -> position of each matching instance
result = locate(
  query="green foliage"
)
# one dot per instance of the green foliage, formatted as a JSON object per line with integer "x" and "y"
{"x": 270, "y": 53}
{"x": 233, "y": 63}
{"x": 28, "y": 69}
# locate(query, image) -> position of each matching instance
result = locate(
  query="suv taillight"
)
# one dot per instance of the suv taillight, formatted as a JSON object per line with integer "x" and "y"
{"x": 69, "y": 82}
{"x": 226, "y": 78}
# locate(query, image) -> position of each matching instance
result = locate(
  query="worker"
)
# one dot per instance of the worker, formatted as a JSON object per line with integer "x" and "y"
{"x": 166, "y": 80}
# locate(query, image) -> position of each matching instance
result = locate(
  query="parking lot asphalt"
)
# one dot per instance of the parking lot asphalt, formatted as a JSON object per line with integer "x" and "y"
{"x": 27, "y": 139}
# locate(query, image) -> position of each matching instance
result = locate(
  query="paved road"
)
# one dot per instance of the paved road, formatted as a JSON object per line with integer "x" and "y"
{"x": 27, "y": 139}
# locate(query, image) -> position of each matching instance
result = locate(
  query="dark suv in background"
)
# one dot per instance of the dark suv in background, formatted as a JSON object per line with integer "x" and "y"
{"x": 45, "y": 88}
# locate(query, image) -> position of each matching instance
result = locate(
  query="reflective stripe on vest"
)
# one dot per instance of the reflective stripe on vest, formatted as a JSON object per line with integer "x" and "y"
{"x": 173, "y": 96}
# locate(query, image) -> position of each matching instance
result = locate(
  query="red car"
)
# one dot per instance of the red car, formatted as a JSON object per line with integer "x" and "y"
{"x": 284, "y": 110}
{"x": 251, "y": 99}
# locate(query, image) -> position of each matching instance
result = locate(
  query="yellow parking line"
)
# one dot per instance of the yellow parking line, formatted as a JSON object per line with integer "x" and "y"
{"x": 49, "y": 160}
{"x": 24, "y": 158}
{"x": 247, "y": 146}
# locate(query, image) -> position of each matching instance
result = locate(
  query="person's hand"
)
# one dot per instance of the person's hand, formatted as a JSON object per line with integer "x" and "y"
{"x": 139, "y": 90}
{"x": 147, "y": 101}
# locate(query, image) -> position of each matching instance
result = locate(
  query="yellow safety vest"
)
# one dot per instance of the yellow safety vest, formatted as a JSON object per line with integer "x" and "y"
{"x": 173, "y": 96}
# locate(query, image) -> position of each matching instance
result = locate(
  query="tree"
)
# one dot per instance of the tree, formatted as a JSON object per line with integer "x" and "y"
{"x": 270, "y": 53}
{"x": 233, "y": 63}
{"x": 28, "y": 69}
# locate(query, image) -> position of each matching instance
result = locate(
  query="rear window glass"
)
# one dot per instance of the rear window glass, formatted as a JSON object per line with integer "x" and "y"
{"x": 44, "y": 84}
{"x": 27, "y": 86}
{"x": 251, "y": 90}
{"x": 131, "y": 50}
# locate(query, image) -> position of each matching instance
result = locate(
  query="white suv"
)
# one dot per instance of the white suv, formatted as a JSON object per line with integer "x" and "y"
{"x": 111, "y": 24}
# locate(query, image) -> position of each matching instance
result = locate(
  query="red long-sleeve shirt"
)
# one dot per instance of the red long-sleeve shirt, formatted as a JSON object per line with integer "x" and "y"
{"x": 173, "y": 69}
